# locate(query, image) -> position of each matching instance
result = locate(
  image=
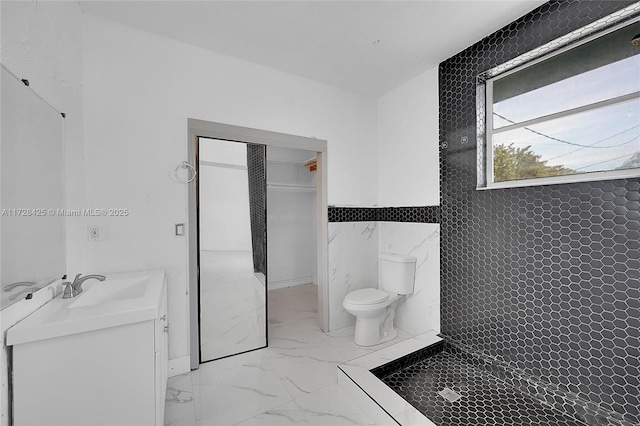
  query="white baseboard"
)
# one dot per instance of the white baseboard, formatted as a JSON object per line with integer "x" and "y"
{"x": 179, "y": 366}
{"x": 273, "y": 285}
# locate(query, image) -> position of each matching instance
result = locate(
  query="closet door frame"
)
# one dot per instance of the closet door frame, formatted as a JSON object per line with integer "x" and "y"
{"x": 208, "y": 129}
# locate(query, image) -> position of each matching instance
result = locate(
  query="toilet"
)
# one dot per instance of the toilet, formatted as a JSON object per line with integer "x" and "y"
{"x": 375, "y": 308}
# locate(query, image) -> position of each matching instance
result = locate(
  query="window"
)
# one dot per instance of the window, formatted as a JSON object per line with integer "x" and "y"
{"x": 567, "y": 116}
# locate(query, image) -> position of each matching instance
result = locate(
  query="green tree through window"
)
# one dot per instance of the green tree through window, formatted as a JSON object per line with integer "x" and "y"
{"x": 634, "y": 161}
{"x": 510, "y": 163}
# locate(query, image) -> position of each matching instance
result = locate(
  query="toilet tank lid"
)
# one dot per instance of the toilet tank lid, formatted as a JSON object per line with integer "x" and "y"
{"x": 393, "y": 257}
{"x": 366, "y": 296}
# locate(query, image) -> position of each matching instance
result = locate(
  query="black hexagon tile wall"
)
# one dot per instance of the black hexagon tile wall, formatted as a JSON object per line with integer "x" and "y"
{"x": 543, "y": 280}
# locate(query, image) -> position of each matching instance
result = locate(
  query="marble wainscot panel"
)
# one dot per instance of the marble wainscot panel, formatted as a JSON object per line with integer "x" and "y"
{"x": 420, "y": 311}
{"x": 353, "y": 264}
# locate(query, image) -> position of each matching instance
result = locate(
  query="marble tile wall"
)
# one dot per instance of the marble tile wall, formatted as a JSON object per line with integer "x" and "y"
{"x": 353, "y": 264}
{"x": 419, "y": 312}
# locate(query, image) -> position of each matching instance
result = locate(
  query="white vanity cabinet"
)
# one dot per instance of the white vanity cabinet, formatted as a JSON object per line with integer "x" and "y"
{"x": 114, "y": 375}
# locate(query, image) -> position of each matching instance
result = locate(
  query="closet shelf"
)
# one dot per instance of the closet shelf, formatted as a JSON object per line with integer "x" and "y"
{"x": 290, "y": 187}
{"x": 287, "y": 162}
{"x": 312, "y": 163}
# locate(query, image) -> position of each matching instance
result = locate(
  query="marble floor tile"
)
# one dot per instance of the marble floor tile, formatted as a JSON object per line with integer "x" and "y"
{"x": 286, "y": 414}
{"x": 293, "y": 317}
{"x": 332, "y": 406}
{"x": 222, "y": 369}
{"x": 230, "y": 392}
{"x": 180, "y": 405}
{"x": 293, "y": 303}
{"x": 183, "y": 415}
{"x": 232, "y": 301}
{"x": 304, "y": 370}
{"x": 342, "y": 341}
{"x": 292, "y": 382}
{"x": 297, "y": 335}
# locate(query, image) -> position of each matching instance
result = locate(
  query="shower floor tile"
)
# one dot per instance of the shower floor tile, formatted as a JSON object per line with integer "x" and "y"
{"x": 484, "y": 399}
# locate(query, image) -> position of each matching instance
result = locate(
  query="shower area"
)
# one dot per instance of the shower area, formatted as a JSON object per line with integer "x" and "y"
{"x": 540, "y": 284}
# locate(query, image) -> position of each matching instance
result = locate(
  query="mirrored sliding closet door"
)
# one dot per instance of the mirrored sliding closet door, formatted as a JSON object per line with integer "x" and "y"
{"x": 232, "y": 241}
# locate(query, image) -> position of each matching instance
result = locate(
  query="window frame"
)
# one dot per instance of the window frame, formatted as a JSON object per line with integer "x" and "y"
{"x": 484, "y": 103}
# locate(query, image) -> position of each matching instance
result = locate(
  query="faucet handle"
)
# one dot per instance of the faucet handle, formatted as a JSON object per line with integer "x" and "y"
{"x": 68, "y": 290}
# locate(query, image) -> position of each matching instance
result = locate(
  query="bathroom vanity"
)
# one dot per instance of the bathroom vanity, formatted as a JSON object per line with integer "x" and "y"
{"x": 98, "y": 358}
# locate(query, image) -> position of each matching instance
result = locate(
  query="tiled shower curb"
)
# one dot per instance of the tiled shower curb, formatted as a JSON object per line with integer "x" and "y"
{"x": 372, "y": 395}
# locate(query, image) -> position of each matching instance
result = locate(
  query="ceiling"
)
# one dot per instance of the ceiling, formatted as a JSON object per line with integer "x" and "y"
{"x": 367, "y": 47}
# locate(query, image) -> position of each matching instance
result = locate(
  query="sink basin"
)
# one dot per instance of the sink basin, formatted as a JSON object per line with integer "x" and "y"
{"x": 122, "y": 298}
{"x": 110, "y": 291}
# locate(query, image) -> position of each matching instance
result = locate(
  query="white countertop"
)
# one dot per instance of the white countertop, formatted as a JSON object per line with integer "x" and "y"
{"x": 122, "y": 298}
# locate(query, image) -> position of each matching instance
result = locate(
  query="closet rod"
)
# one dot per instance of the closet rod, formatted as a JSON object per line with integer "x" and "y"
{"x": 291, "y": 187}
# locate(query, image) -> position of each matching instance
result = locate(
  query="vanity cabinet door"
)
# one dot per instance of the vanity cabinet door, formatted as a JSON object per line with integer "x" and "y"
{"x": 102, "y": 377}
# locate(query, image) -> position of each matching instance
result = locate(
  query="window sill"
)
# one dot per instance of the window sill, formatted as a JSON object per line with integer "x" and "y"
{"x": 559, "y": 180}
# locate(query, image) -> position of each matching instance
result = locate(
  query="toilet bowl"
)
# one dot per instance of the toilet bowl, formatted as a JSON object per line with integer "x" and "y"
{"x": 374, "y": 311}
{"x": 375, "y": 308}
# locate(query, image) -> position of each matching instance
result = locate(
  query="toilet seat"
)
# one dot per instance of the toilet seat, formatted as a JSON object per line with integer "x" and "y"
{"x": 366, "y": 296}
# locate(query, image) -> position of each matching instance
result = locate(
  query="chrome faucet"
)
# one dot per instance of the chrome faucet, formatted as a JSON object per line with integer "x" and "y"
{"x": 75, "y": 288}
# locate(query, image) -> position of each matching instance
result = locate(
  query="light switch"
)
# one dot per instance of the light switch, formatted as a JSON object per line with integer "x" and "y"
{"x": 95, "y": 233}
{"x": 179, "y": 229}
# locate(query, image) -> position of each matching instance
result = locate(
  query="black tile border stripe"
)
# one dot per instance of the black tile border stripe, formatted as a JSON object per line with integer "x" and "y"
{"x": 417, "y": 214}
{"x": 353, "y": 214}
{"x": 423, "y": 214}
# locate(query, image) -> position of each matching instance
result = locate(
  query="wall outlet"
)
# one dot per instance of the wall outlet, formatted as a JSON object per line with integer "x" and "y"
{"x": 95, "y": 233}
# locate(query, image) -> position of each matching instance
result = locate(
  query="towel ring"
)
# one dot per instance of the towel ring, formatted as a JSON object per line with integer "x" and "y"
{"x": 185, "y": 165}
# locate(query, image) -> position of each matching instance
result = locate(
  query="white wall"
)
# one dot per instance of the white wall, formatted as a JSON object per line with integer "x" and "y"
{"x": 408, "y": 175}
{"x": 291, "y": 238}
{"x": 291, "y": 219}
{"x": 408, "y": 168}
{"x": 41, "y": 41}
{"x": 139, "y": 90}
{"x": 225, "y": 220}
{"x": 408, "y": 143}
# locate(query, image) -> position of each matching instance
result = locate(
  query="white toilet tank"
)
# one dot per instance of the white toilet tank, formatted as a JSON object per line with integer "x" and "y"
{"x": 397, "y": 273}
